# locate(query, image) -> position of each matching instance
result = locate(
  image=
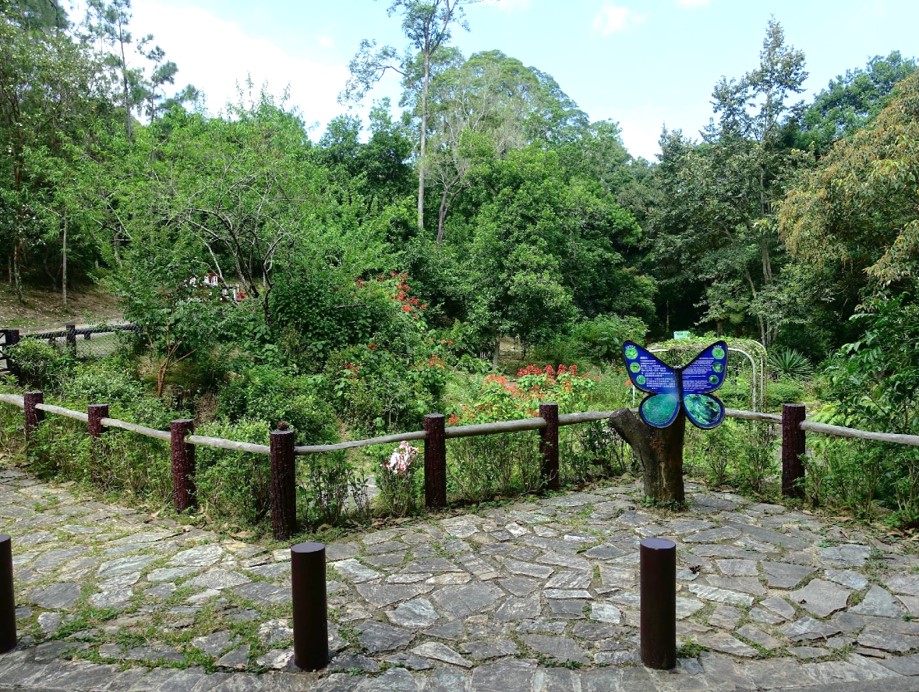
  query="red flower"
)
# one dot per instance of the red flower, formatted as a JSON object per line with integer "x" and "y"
{"x": 406, "y": 308}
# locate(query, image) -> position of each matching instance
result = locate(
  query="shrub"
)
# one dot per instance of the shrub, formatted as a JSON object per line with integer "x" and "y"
{"x": 41, "y": 365}
{"x": 231, "y": 485}
{"x": 784, "y": 392}
{"x": 271, "y": 394}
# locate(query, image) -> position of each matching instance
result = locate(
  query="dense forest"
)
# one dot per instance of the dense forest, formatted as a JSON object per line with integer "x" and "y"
{"x": 486, "y": 207}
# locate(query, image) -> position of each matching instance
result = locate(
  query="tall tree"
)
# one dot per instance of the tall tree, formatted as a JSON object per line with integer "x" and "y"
{"x": 725, "y": 227}
{"x": 427, "y": 26}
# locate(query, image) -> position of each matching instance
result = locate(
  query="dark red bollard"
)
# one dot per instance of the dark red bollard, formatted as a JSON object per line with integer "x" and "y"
{"x": 7, "y": 600}
{"x": 184, "y": 490}
{"x": 33, "y": 415}
{"x": 435, "y": 461}
{"x": 308, "y": 586}
{"x": 793, "y": 447}
{"x": 548, "y": 445}
{"x": 658, "y": 603}
{"x": 95, "y": 414}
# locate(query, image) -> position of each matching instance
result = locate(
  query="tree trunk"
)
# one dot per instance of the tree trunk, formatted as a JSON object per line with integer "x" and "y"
{"x": 660, "y": 451}
{"x": 423, "y": 140}
{"x": 64, "y": 265}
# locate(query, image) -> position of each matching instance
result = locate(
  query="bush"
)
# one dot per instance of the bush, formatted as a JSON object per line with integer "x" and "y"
{"x": 41, "y": 365}
{"x": 271, "y": 394}
{"x": 784, "y": 392}
{"x": 596, "y": 341}
{"x": 479, "y": 468}
{"x": 231, "y": 485}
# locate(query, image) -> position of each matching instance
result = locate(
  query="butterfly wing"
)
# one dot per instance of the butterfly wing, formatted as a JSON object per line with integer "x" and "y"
{"x": 706, "y": 372}
{"x": 659, "y": 410}
{"x": 703, "y": 410}
{"x": 649, "y": 374}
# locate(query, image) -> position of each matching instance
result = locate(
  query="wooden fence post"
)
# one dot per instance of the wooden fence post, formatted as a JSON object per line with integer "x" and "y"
{"x": 184, "y": 491}
{"x": 283, "y": 484}
{"x": 793, "y": 445}
{"x": 96, "y": 412}
{"x": 435, "y": 461}
{"x": 71, "y": 337}
{"x": 548, "y": 445}
{"x": 33, "y": 416}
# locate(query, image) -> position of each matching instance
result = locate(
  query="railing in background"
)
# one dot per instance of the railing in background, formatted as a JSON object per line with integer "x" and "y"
{"x": 283, "y": 452}
{"x": 68, "y": 337}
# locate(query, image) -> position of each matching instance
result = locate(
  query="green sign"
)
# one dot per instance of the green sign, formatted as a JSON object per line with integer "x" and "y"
{"x": 681, "y": 335}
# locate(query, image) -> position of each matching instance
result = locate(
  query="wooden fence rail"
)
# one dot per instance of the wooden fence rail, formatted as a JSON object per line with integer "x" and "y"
{"x": 283, "y": 452}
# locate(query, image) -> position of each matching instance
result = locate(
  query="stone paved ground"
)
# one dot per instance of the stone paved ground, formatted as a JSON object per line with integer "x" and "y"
{"x": 536, "y": 595}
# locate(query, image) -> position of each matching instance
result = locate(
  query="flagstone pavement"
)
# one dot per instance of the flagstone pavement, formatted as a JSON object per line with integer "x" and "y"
{"x": 537, "y": 595}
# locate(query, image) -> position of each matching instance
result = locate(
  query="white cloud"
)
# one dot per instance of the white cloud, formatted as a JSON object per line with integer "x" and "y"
{"x": 215, "y": 55}
{"x": 509, "y": 5}
{"x": 692, "y": 4}
{"x": 612, "y": 18}
{"x": 325, "y": 41}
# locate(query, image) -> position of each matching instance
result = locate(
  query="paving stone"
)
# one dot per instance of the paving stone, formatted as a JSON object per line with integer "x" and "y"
{"x": 354, "y": 571}
{"x": 376, "y": 637}
{"x": 725, "y": 643}
{"x": 759, "y": 637}
{"x": 714, "y": 535}
{"x": 737, "y": 568}
{"x": 567, "y": 593}
{"x": 56, "y": 596}
{"x": 275, "y": 631}
{"x": 749, "y": 585}
{"x": 567, "y": 608}
{"x": 711, "y": 593}
{"x": 170, "y": 574}
{"x": 847, "y": 578}
{"x": 849, "y": 555}
{"x": 218, "y": 579}
{"x": 886, "y": 639}
{"x": 569, "y": 580}
{"x": 514, "y": 609}
{"x": 441, "y": 652}
{"x": 561, "y": 649}
{"x": 383, "y": 595}
{"x": 605, "y": 612}
{"x": 724, "y": 617}
{"x": 351, "y": 661}
{"x": 855, "y": 669}
{"x": 461, "y": 601}
{"x": 808, "y": 629}
{"x": 277, "y": 659}
{"x": 125, "y": 565}
{"x": 200, "y": 556}
{"x": 820, "y": 597}
{"x": 878, "y": 602}
{"x": 264, "y": 593}
{"x": 784, "y": 575}
{"x": 904, "y": 583}
{"x": 213, "y": 644}
{"x": 237, "y": 659}
{"x": 418, "y": 612}
{"x": 519, "y": 586}
{"x": 809, "y": 652}
{"x": 484, "y": 650}
{"x": 686, "y": 607}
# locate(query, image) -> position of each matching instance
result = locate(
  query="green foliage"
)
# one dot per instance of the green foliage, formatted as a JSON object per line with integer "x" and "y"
{"x": 787, "y": 362}
{"x": 784, "y": 392}
{"x": 271, "y": 394}
{"x": 478, "y": 468}
{"x": 234, "y": 486}
{"x": 42, "y": 366}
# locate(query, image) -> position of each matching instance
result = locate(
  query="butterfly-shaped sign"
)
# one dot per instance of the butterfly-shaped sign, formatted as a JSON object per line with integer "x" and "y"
{"x": 689, "y": 387}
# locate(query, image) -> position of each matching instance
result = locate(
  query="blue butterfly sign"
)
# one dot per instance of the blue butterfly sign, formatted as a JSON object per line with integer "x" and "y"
{"x": 689, "y": 387}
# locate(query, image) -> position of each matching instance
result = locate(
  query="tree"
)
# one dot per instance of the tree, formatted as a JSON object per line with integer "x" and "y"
{"x": 427, "y": 26}
{"x": 850, "y": 101}
{"x": 483, "y": 108}
{"x": 716, "y": 211}
{"x": 49, "y": 93}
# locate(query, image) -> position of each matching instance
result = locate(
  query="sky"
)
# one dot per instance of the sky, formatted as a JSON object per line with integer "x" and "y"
{"x": 645, "y": 64}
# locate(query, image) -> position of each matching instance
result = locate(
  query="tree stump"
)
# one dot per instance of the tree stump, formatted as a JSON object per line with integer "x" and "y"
{"x": 660, "y": 451}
